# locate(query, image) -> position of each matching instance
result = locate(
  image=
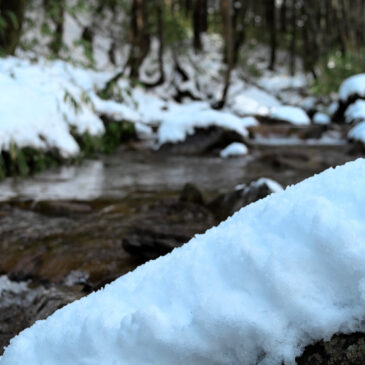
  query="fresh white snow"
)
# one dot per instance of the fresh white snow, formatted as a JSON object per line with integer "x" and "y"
{"x": 281, "y": 273}
{"x": 354, "y": 85}
{"x": 290, "y": 114}
{"x": 234, "y": 149}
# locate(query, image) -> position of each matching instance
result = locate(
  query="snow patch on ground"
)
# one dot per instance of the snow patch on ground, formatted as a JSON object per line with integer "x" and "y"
{"x": 281, "y": 273}
{"x": 234, "y": 149}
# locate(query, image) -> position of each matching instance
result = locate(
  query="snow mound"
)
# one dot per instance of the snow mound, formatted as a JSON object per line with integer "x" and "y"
{"x": 234, "y": 149}
{"x": 290, "y": 114}
{"x": 354, "y": 85}
{"x": 279, "y": 274}
{"x": 321, "y": 118}
{"x": 355, "y": 112}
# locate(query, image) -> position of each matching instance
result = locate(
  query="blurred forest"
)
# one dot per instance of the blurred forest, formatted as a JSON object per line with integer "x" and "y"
{"x": 325, "y": 38}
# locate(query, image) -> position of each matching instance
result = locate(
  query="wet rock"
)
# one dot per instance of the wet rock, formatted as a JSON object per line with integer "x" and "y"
{"x": 340, "y": 350}
{"x": 312, "y": 132}
{"x": 166, "y": 226}
{"x": 227, "y": 204}
{"x": 191, "y": 194}
{"x": 61, "y": 208}
{"x": 203, "y": 141}
{"x": 21, "y": 305}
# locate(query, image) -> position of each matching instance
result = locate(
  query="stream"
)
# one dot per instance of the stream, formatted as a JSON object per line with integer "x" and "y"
{"x": 63, "y": 232}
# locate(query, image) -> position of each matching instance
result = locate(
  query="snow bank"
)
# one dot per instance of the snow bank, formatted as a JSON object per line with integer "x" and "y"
{"x": 40, "y": 103}
{"x": 279, "y": 274}
{"x": 290, "y": 114}
{"x": 355, "y": 112}
{"x": 354, "y": 85}
{"x": 234, "y": 149}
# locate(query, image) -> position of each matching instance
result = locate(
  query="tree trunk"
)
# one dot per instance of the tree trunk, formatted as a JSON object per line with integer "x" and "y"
{"x": 197, "y": 25}
{"x": 226, "y": 8}
{"x": 271, "y": 20}
{"x": 240, "y": 8}
{"x": 293, "y": 41}
{"x": 139, "y": 37}
{"x": 13, "y": 13}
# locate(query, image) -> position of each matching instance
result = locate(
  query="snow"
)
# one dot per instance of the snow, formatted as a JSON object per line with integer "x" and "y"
{"x": 234, "y": 149}
{"x": 354, "y": 85}
{"x": 46, "y": 113}
{"x": 355, "y": 112}
{"x": 281, "y": 273}
{"x": 358, "y": 132}
{"x": 321, "y": 118}
{"x": 290, "y": 114}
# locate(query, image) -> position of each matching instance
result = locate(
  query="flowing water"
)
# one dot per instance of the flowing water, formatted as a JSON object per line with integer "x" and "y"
{"x": 61, "y": 231}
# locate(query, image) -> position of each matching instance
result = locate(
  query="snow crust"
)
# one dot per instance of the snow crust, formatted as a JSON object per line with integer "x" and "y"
{"x": 234, "y": 149}
{"x": 290, "y": 114}
{"x": 354, "y": 85}
{"x": 279, "y": 274}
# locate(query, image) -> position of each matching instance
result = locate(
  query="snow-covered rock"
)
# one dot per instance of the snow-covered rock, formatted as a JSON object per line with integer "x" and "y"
{"x": 273, "y": 185}
{"x": 355, "y": 112}
{"x": 181, "y": 120}
{"x": 234, "y": 149}
{"x": 290, "y": 114}
{"x": 354, "y": 85}
{"x": 321, "y": 118}
{"x": 281, "y": 273}
{"x": 358, "y": 133}
{"x": 253, "y": 101}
